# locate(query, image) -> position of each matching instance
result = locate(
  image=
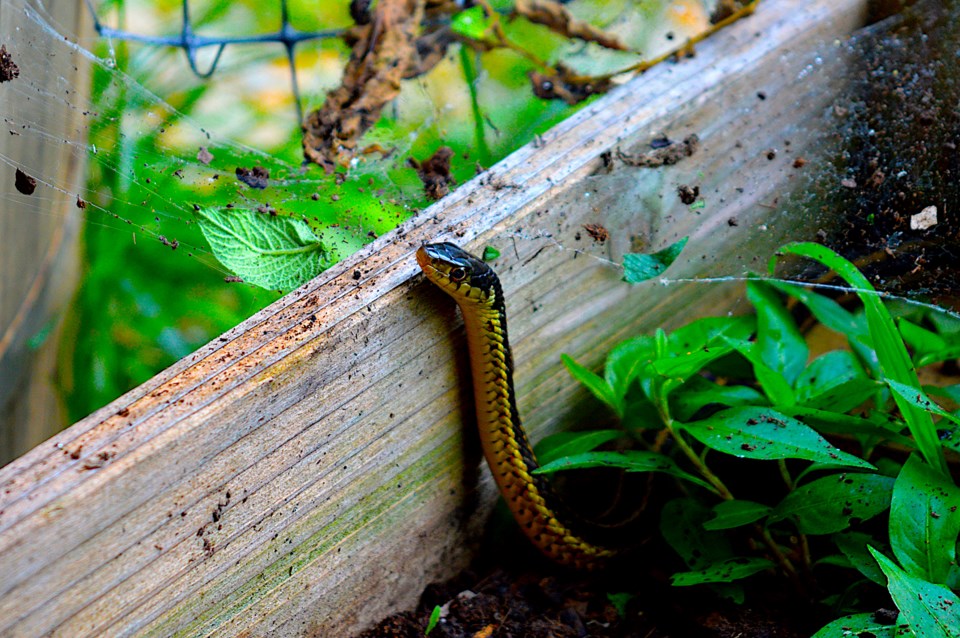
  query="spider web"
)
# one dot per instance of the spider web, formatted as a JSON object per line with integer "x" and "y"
{"x": 146, "y": 129}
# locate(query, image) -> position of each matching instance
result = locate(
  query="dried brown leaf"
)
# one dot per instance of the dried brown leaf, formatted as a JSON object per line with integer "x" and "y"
{"x": 384, "y": 51}
{"x": 434, "y": 172}
{"x": 555, "y": 16}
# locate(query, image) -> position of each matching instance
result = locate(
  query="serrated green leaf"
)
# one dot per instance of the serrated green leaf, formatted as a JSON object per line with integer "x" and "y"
{"x": 932, "y": 611}
{"x": 763, "y": 433}
{"x": 891, "y": 352}
{"x": 781, "y": 346}
{"x": 638, "y": 267}
{"x": 924, "y": 521}
{"x": 858, "y": 626}
{"x": 698, "y": 393}
{"x": 736, "y": 513}
{"x": 832, "y": 503}
{"x": 681, "y": 524}
{"x": 629, "y": 461}
{"x": 595, "y": 383}
{"x": 834, "y": 381}
{"x": 273, "y": 252}
{"x": 563, "y": 444}
{"x": 854, "y": 547}
{"x": 724, "y": 572}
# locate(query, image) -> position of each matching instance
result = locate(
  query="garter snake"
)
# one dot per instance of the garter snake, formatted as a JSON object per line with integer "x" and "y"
{"x": 541, "y": 515}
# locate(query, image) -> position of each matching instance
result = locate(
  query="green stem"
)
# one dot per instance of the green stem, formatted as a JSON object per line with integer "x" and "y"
{"x": 697, "y": 462}
{"x": 470, "y": 76}
{"x": 721, "y": 488}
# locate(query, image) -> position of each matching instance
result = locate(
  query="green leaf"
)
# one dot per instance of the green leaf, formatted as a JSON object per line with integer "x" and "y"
{"x": 730, "y": 514}
{"x": 916, "y": 397}
{"x": 949, "y": 392}
{"x": 620, "y": 601}
{"x": 471, "y": 23}
{"x": 724, "y": 572}
{"x": 946, "y": 323}
{"x": 708, "y": 331}
{"x": 640, "y": 414}
{"x": 680, "y": 367}
{"x": 638, "y": 267}
{"x": 832, "y": 503}
{"x": 924, "y": 521}
{"x": 857, "y": 626}
{"x": 834, "y": 381}
{"x": 595, "y": 383}
{"x": 892, "y": 353}
{"x": 947, "y": 354}
{"x": 763, "y": 433}
{"x": 923, "y": 341}
{"x": 681, "y": 524}
{"x": 563, "y": 444}
{"x": 854, "y": 547}
{"x": 932, "y": 611}
{"x": 776, "y": 388}
{"x": 626, "y": 362}
{"x": 629, "y": 460}
{"x": 273, "y": 252}
{"x": 434, "y": 619}
{"x": 782, "y": 347}
{"x": 876, "y": 425}
{"x": 825, "y": 310}
{"x": 698, "y": 393}
{"x": 490, "y": 253}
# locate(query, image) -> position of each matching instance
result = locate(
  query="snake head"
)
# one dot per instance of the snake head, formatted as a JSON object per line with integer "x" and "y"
{"x": 457, "y": 272}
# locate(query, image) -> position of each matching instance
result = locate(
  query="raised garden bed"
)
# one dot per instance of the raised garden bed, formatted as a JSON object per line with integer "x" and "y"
{"x": 308, "y": 472}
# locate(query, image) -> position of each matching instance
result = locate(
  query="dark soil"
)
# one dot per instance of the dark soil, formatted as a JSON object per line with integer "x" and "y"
{"x": 538, "y": 601}
{"x": 897, "y": 139}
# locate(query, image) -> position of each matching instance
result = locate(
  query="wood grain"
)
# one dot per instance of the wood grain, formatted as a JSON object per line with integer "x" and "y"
{"x": 39, "y": 256}
{"x": 309, "y": 471}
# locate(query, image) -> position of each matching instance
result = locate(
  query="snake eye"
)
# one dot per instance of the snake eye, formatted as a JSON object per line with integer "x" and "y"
{"x": 458, "y": 274}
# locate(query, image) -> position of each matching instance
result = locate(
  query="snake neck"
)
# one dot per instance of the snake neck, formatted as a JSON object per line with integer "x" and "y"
{"x": 504, "y": 441}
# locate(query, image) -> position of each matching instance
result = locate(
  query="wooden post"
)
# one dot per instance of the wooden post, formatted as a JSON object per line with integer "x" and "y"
{"x": 38, "y": 261}
{"x": 309, "y": 471}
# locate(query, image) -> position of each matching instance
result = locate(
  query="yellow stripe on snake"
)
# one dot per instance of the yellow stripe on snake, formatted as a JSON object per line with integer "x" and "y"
{"x": 540, "y": 514}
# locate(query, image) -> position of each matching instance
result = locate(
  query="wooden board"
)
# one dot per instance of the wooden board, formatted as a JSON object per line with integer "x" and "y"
{"x": 309, "y": 472}
{"x": 39, "y": 232}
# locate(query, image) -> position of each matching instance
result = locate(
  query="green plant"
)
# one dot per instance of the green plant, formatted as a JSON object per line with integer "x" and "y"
{"x": 434, "y": 619}
{"x": 884, "y": 508}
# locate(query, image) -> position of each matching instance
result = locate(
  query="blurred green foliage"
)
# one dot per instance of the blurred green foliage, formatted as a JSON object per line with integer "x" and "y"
{"x": 151, "y": 291}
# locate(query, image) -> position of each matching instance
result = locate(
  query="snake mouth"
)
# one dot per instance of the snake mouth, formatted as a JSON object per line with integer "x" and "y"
{"x": 423, "y": 258}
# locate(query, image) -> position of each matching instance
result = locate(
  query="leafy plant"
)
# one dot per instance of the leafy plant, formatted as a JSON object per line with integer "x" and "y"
{"x": 853, "y": 445}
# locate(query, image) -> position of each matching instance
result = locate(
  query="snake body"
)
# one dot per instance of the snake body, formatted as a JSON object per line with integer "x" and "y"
{"x": 541, "y": 515}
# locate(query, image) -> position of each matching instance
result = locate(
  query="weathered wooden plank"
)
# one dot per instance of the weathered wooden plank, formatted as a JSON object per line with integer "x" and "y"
{"x": 38, "y": 263}
{"x": 305, "y": 473}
